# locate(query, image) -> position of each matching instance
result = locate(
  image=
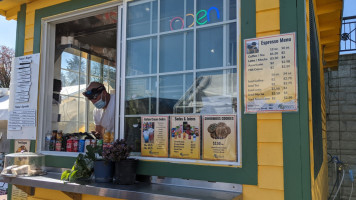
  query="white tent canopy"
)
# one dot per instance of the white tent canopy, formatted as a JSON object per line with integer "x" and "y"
{"x": 4, "y": 103}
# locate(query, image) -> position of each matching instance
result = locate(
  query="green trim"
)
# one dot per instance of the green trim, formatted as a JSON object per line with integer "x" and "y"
{"x": 9, "y": 191}
{"x": 19, "y": 51}
{"x": 20, "y": 31}
{"x": 296, "y": 153}
{"x": 59, "y": 161}
{"x": 245, "y": 175}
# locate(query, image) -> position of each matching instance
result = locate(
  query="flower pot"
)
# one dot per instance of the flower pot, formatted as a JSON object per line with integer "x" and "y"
{"x": 103, "y": 171}
{"x": 125, "y": 172}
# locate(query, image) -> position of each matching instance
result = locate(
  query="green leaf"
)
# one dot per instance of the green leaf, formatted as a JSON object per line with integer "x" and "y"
{"x": 65, "y": 174}
{"x": 73, "y": 176}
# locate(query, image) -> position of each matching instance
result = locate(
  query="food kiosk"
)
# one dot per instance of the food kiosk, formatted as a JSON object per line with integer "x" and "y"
{"x": 220, "y": 99}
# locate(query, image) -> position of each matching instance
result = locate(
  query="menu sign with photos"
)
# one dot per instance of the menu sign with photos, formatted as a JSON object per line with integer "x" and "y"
{"x": 271, "y": 74}
{"x": 185, "y": 137}
{"x": 154, "y": 136}
{"x": 219, "y": 137}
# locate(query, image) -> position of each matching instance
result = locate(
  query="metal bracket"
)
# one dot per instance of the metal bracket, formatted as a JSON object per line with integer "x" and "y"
{"x": 72, "y": 195}
{"x": 27, "y": 189}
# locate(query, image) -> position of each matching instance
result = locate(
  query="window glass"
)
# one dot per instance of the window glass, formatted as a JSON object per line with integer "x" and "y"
{"x": 216, "y": 92}
{"x": 172, "y": 15}
{"x": 68, "y": 109}
{"x": 174, "y": 51}
{"x": 69, "y": 82}
{"x": 172, "y": 89}
{"x": 82, "y": 113}
{"x": 142, "y": 19}
{"x": 195, "y": 52}
{"x": 141, "y": 96}
{"x": 96, "y": 68}
{"x": 232, "y": 9}
{"x": 208, "y": 12}
{"x": 133, "y": 132}
{"x": 231, "y": 45}
{"x": 210, "y": 47}
{"x": 68, "y": 127}
{"x": 140, "y": 57}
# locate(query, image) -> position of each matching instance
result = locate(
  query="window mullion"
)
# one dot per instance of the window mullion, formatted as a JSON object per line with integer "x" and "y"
{"x": 195, "y": 59}
{"x": 158, "y": 50}
{"x": 87, "y": 101}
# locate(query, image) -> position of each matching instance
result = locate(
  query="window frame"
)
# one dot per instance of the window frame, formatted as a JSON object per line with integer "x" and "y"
{"x": 194, "y": 71}
{"x": 48, "y": 27}
{"x": 48, "y": 34}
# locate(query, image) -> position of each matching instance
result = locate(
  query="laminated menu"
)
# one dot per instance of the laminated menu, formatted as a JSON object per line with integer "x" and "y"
{"x": 154, "y": 136}
{"x": 219, "y": 137}
{"x": 185, "y": 135}
{"x": 271, "y": 74}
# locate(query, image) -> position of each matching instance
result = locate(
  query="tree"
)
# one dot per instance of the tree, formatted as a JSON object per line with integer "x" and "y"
{"x": 6, "y": 56}
{"x": 73, "y": 65}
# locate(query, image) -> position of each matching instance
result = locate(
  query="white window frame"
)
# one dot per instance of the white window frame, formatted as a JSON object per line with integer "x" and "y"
{"x": 46, "y": 79}
{"x": 238, "y": 63}
{"x": 48, "y": 26}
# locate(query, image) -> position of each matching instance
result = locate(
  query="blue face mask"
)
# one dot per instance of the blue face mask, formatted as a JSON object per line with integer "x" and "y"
{"x": 100, "y": 104}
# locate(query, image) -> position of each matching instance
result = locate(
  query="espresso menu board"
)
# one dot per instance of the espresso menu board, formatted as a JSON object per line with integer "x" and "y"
{"x": 185, "y": 137}
{"x": 219, "y": 137}
{"x": 154, "y": 136}
{"x": 271, "y": 74}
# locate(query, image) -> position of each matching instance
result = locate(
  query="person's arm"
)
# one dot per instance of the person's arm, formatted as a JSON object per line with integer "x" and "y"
{"x": 99, "y": 129}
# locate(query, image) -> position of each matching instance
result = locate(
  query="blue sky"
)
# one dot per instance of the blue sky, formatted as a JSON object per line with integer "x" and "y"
{"x": 8, "y": 28}
{"x": 7, "y": 32}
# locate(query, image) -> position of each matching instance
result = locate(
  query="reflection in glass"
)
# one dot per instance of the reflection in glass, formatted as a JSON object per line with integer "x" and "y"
{"x": 216, "y": 92}
{"x": 140, "y": 57}
{"x": 140, "y": 96}
{"x": 139, "y": 18}
{"x": 172, "y": 89}
{"x": 210, "y": 48}
{"x": 172, "y": 50}
{"x": 133, "y": 132}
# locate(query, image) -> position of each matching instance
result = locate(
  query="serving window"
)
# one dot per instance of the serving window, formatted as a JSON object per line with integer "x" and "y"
{"x": 177, "y": 98}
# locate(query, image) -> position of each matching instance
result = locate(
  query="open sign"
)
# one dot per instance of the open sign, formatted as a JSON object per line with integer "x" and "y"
{"x": 203, "y": 17}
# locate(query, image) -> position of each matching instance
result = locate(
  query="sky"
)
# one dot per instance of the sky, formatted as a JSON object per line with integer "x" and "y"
{"x": 7, "y": 32}
{"x": 8, "y": 28}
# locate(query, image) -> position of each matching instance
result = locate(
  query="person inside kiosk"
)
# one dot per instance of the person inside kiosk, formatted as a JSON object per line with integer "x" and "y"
{"x": 104, "y": 112}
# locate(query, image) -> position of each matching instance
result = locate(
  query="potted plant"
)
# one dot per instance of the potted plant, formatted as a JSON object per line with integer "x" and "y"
{"x": 81, "y": 171}
{"x": 103, "y": 167}
{"x": 125, "y": 168}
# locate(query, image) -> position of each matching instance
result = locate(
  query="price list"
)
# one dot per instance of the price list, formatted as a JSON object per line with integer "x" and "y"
{"x": 270, "y": 74}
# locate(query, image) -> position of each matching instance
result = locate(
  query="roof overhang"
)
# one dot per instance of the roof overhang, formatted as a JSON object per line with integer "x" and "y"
{"x": 329, "y": 19}
{"x": 10, "y": 8}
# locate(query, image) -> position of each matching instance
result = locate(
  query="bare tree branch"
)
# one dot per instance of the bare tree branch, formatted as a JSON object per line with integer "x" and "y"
{"x": 6, "y": 55}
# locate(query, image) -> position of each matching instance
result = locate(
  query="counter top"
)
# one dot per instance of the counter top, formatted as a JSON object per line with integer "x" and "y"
{"x": 137, "y": 191}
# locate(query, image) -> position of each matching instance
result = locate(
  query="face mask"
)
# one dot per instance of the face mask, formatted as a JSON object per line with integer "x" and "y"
{"x": 100, "y": 104}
